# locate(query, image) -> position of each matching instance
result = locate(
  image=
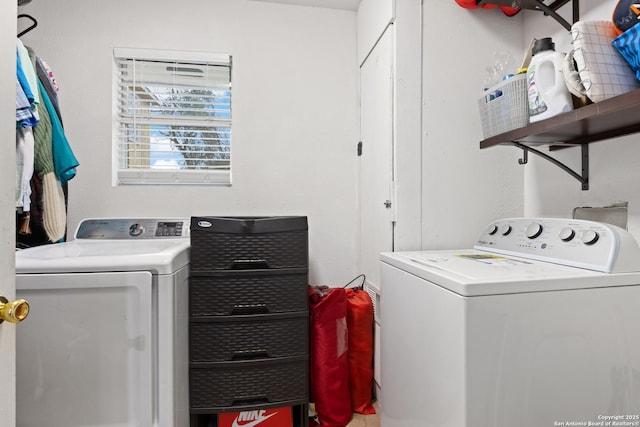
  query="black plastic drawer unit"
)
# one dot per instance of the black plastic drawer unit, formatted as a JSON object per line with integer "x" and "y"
{"x": 248, "y": 316}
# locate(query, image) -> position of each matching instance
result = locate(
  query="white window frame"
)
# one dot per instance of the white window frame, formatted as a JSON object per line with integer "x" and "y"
{"x": 125, "y": 172}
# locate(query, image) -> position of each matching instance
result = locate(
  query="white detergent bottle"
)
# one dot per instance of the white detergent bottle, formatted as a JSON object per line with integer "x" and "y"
{"x": 548, "y": 92}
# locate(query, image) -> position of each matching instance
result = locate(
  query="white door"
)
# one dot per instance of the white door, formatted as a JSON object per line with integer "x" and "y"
{"x": 8, "y": 25}
{"x": 377, "y": 205}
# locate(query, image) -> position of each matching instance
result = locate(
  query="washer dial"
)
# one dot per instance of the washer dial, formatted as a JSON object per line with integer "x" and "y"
{"x": 505, "y": 230}
{"x": 589, "y": 237}
{"x": 136, "y": 229}
{"x": 533, "y": 230}
{"x": 567, "y": 234}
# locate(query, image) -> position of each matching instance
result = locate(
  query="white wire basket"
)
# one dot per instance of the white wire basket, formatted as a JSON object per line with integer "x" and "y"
{"x": 505, "y": 106}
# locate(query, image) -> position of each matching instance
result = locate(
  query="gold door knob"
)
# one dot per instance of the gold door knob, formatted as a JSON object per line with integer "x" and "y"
{"x": 13, "y": 311}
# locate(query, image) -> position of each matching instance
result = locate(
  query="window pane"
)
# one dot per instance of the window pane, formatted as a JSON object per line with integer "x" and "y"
{"x": 173, "y": 117}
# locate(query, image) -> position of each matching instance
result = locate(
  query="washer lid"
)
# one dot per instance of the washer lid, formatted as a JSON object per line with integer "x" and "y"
{"x": 162, "y": 256}
{"x": 471, "y": 272}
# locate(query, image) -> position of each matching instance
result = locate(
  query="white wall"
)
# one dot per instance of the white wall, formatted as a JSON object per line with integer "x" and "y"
{"x": 294, "y": 111}
{"x": 464, "y": 188}
{"x": 614, "y": 174}
{"x": 407, "y": 124}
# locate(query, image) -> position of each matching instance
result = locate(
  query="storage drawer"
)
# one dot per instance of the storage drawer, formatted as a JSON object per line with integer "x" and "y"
{"x": 217, "y": 387}
{"x": 226, "y": 243}
{"x": 247, "y": 292}
{"x": 232, "y": 338}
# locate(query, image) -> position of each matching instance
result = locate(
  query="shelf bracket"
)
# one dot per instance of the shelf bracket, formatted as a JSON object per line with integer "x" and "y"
{"x": 583, "y": 178}
{"x": 541, "y": 6}
{"x": 551, "y": 12}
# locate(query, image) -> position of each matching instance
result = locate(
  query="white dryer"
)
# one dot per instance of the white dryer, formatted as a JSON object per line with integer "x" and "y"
{"x": 106, "y": 341}
{"x": 538, "y": 325}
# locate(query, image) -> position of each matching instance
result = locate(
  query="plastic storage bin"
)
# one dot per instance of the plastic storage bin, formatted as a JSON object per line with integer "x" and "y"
{"x": 226, "y": 339}
{"x": 504, "y": 106}
{"x": 252, "y": 384}
{"x": 237, "y": 243}
{"x": 225, "y": 293}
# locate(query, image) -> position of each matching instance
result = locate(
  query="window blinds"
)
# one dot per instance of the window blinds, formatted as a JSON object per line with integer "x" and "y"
{"x": 173, "y": 117}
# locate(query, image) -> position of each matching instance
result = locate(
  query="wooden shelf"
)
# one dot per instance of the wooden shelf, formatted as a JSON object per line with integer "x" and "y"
{"x": 613, "y": 117}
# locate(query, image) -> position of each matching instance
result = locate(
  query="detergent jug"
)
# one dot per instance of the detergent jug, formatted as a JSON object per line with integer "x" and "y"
{"x": 548, "y": 92}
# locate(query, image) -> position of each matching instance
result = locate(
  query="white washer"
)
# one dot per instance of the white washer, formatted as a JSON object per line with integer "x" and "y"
{"x": 106, "y": 341}
{"x": 538, "y": 325}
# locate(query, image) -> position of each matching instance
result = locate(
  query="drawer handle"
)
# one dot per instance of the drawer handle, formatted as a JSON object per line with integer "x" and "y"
{"x": 251, "y": 354}
{"x": 250, "y": 309}
{"x": 250, "y": 264}
{"x": 250, "y": 401}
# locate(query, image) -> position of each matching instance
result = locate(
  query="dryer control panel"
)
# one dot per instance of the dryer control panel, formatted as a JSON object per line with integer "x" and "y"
{"x": 578, "y": 243}
{"x": 133, "y": 228}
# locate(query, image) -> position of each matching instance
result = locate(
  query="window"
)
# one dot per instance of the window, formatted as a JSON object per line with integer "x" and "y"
{"x": 173, "y": 117}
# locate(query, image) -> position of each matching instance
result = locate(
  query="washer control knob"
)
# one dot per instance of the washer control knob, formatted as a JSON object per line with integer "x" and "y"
{"x": 589, "y": 237}
{"x": 136, "y": 229}
{"x": 567, "y": 234}
{"x": 533, "y": 230}
{"x": 505, "y": 230}
{"x": 493, "y": 229}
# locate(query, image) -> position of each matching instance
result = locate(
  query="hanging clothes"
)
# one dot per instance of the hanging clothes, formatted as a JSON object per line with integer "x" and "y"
{"x": 41, "y": 201}
{"x": 49, "y": 82}
{"x": 54, "y": 215}
{"x": 26, "y": 118}
{"x": 64, "y": 161}
{"x": 24, "y": 167}
{"x": 29, "y": 71}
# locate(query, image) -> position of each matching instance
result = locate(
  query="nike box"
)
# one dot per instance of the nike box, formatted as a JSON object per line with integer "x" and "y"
{"x": 275, "y": 417}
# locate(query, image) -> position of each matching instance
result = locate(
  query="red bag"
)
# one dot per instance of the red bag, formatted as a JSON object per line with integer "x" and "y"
{"x": 328, "y": 364}
{"x": 472, "y": 4}
{"x": 360, "y": 326}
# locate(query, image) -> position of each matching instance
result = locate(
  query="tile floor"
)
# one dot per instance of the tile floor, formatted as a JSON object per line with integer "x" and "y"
{"x": 366, "y": 420}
